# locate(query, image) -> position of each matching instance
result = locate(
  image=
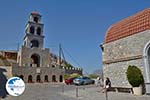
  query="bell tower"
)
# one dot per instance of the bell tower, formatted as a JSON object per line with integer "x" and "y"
{"x": 32, "y": 53}
{"x": 34, "y": 31}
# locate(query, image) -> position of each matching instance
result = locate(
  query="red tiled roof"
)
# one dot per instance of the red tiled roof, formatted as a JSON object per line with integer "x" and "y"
{"x": 129, "y": 26}
{"x": 35, "y": 13}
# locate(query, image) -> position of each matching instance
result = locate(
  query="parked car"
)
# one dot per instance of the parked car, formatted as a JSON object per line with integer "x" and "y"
{"x": 69, "y": 81}
{"x": 83, "y": 81}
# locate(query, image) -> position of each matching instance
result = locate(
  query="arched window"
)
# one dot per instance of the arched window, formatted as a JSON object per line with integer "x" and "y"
{"x": 46, "y": 78}
{"x": 38, "y": 31}
{"x": 30, "y": 79}
{"x": 36, "y": 19}
{"x": 53, "y": 66}
{"x": 60, "y": 78}
{"x": 35, "y": 60}
{"x": 21, "y": 76}
{"x": 53, "y": 78}
{"x": 38, "y": 79}
{"x": 34, "y": 43}
{"x": 32, "y": 30}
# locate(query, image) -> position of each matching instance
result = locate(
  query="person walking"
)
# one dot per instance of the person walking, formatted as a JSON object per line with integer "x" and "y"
{"x": 107, "y": 85}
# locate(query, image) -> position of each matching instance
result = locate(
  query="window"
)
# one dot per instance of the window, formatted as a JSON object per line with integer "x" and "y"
{"x": 38, "y": 78}
{"x": 30, "y": 79}
{"x": 46, "y": 78}
{"x": 35, "y": 19}
{"x": 34, "y": 43}
{"x": 53, "y": 66}
{"x": 35, "y": 60}
{"x": 32, "y": 30}
{"x": 38, "y": 31}
{"x": 60, "y": 78}
{"x": 54, "y": 78}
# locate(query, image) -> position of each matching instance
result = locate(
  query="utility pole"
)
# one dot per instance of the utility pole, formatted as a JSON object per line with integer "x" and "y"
{"x": 59, "y": 54}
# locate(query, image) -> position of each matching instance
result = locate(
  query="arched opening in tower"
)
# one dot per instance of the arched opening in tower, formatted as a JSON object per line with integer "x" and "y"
{"x": 35, "y": 60}
{"x": 34, "y": 43}
{"x": 38, "y": 31}
{"x": 35, "y": 19}
{"x": 32, "y": 30}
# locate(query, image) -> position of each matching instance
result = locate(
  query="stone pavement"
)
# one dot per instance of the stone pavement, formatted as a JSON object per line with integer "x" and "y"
{"x": 68, "y": 92}
{"x": 94, "y": 94}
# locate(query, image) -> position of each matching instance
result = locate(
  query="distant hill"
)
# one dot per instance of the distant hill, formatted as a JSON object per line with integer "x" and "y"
{"x": 98, "y": 72}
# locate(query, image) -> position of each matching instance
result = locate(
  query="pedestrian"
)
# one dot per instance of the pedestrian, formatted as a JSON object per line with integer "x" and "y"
{"x": 98, "y": 81}
{"x": 107, "y": 85}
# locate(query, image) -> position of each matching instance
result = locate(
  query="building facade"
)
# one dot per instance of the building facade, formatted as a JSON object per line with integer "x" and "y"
{"x": 34, "y": 63}
{"x": 127, "y": 43}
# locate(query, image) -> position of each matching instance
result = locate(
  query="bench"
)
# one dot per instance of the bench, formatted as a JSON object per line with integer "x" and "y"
{"x": 121, "y": 89}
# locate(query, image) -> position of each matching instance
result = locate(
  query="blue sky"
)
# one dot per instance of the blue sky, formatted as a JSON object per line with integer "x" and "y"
{"x": 79, "y": 25}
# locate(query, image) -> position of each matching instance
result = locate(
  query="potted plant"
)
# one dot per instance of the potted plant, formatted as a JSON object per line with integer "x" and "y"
{"x": 135, "y": 78}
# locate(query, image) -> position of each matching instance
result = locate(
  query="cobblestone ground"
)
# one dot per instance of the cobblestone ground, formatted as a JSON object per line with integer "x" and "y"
{"x": 64, "y": 92}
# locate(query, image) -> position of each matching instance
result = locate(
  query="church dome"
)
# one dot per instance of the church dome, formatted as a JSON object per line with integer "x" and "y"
{"x": 129, "y": 26}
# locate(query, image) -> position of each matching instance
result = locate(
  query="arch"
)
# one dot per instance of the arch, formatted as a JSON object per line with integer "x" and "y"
{"x": 22, "y": 77}
{"x": 30, "y": 79}
{"x": 38, "y": 78}
{"x": 146, "y": 56}
{"x": 35, "y": 19}
{"x": 46, "y": 78}
{"x": 53, "y": 66}
{"x": 32, "y": 29}
{"x": 38, "y": 31}
{"x": 53, "y": 78}
{"x": 60, "y": 78}
{"x": 35, "y": 60}
{"x": 34, "y": 43}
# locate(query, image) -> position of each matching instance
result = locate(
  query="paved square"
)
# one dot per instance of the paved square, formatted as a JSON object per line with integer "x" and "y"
{"x": 69, "y": 92}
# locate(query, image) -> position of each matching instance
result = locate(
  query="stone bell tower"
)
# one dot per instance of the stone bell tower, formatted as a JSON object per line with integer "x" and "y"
{"x": 32, "y": 53}
{"x": 34, "y": 31}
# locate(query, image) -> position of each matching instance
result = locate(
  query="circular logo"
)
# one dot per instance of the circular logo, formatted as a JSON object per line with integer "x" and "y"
{"x": 15, "y": 86}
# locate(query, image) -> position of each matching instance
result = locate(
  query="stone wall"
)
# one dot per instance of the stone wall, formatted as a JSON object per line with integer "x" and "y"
{"x": 34, "y": 71}
{"x": 118, "y": 55}
{"x": 117, "y": 72}
{"x": 26, "y": 53}
{"x": 73, "y": 70}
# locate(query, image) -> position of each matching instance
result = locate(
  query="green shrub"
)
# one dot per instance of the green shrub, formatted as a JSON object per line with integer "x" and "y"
{"x": 134, "y": 76}
{"x": 66, "y": 76}
{"x": 93, "y": 76}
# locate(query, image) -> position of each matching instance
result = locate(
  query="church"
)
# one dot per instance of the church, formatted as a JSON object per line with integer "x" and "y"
{"x": 32, "y": 62}
{"x": 127, "y": 42}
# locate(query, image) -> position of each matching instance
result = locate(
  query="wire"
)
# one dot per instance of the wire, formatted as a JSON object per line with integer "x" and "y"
{"x": 75, "y": 61}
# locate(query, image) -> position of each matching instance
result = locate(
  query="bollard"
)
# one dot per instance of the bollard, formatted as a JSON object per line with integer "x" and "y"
{"x": 63, "y": 88}
{"x": 77, "y": 92}
{"x": 106, "y": 94}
